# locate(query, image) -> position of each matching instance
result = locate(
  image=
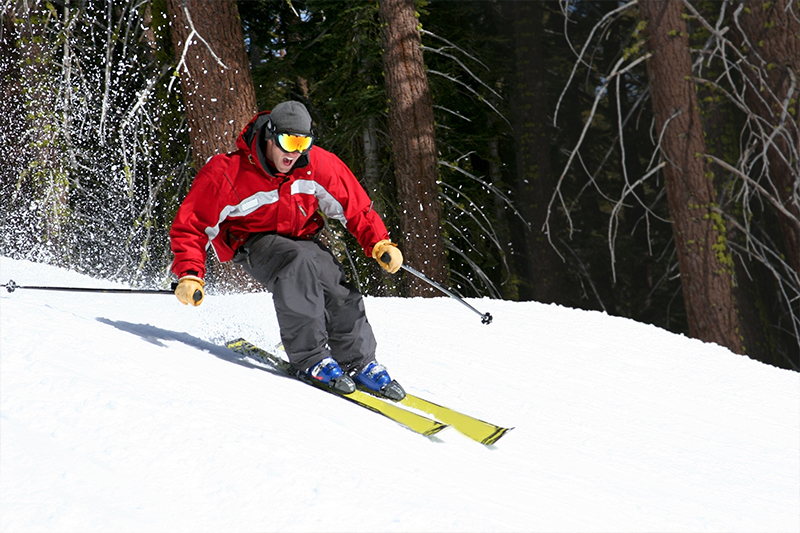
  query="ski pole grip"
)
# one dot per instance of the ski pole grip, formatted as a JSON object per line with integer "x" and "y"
{"x": 386, "y": 257}
{"x": 197, "y": 296}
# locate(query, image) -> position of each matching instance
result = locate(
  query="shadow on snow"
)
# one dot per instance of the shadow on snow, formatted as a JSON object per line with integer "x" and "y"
{"x": 155, "y": 336}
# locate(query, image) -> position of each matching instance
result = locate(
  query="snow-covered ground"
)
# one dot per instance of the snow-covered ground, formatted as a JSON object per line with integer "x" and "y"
{"x": 121, "y": 412}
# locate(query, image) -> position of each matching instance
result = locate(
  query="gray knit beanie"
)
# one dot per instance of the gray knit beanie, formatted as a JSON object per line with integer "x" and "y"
{"x": 290, "y": 117}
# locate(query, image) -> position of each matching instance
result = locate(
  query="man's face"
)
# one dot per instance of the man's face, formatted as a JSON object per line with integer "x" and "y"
{"x": 282, "y": 161}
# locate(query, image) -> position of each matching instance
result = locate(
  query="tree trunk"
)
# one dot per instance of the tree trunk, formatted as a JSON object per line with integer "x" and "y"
{"x": 510, "y": 283}
{"x": 755, "y": 289}
{"x": 217, "y": 89}
{"x": 411, "y": 127}
{"x": 773, "y": 53}
{"x": 699, "y": 232}
{"x": 217, "y": 92}
{"x": 372, "y": 161}
{"x": 540, "y": 265}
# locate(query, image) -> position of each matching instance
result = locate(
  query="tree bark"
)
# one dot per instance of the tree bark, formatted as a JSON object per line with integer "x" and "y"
{"x": 372, "y": 168}
{"x": 510, "y": 285}
{"x": 703, "y": 258}
{"x": 411, "y": 127}
{"x": 772, "y": 32}
{"x": 218, "y": 92}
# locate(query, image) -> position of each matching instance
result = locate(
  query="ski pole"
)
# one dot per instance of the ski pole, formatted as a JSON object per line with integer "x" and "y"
{"x": 486, "y": 318}
{"x": 11, "y": 286}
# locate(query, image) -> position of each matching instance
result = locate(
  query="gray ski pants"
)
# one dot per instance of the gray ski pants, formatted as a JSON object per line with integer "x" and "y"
{"x": 320, "y": 313}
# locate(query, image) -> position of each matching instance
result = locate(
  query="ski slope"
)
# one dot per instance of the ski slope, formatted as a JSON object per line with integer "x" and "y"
{"x": 121, "y": 412}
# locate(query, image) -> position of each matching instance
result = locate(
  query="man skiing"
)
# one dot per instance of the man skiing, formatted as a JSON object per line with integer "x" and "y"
{"x": 258, "y": 206}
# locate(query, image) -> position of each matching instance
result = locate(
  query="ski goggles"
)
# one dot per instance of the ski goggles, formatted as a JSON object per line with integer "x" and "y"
{"x": 289, "y": 142}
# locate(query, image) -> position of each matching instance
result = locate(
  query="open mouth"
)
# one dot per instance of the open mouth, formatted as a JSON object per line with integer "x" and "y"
{"x": 288, "y": 161}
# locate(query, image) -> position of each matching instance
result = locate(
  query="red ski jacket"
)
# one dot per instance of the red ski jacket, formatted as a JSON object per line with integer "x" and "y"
{"x": 237, "y": 194}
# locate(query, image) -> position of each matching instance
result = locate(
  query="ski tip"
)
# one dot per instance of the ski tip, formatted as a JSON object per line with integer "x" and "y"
{"x": 494, "y": 437}
{"x": 235, "y": 342}
{"x": 241, "y": 346}
{"x": 435, "y": 429}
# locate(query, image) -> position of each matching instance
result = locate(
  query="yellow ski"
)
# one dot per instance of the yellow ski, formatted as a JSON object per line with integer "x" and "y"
{"x": 413, "y": 421}
{"x": 478, "y": 430}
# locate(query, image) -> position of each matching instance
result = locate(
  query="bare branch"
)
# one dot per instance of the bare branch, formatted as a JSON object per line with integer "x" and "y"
{"x": 506, "y": 200}
{"x": 610, "y": 14}
{"x": 470, "y": 89}
{"x": 460, "y": 63}
{"x": 192, "y": 34}
{"x": 598, "y": 97}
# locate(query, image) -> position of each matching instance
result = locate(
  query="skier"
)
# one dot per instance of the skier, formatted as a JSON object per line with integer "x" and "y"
{"x": 258, "y": 206}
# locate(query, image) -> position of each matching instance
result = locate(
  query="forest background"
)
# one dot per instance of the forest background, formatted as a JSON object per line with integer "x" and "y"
{"x": 639, "y": 158}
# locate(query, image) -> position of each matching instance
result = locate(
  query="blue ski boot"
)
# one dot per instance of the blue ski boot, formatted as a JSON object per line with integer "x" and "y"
{"x": 375, "y": 378}
{"x": 328, "y": 372}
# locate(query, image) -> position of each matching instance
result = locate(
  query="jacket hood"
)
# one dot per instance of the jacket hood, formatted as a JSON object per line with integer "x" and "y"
{"x": 252, "y": 141}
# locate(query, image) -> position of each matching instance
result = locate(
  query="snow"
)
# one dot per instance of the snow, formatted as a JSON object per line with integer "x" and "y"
{"x": 121, "y": 412}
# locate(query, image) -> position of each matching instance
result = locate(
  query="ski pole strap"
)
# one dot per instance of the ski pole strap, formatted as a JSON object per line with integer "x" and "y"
{"x": 486, "y": 318}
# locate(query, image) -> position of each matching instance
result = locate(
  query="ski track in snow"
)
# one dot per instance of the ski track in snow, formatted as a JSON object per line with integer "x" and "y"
{"x": 122, "y": 412}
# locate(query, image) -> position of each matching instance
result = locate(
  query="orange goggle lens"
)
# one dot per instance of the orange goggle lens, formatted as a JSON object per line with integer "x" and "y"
{"x": 294, "y": 143}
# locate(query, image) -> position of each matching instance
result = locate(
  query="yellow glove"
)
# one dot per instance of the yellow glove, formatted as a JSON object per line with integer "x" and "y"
{"x": 394, "y": 261}
{"x": 190, "y": 290}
